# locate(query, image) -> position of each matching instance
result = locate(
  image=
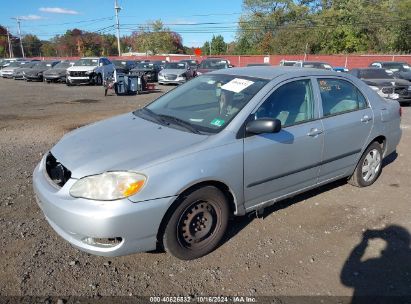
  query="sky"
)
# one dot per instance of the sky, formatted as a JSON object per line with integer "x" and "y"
{"x": 47, "y": 18}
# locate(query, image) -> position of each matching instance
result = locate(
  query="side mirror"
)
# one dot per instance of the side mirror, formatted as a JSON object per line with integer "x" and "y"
{"x": 263, "y": 125}
{"x": 100, "y": 64}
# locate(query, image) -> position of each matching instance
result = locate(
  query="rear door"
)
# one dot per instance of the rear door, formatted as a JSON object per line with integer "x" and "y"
{"x": 276, "y": 164}
{"x": 347, "y": 119}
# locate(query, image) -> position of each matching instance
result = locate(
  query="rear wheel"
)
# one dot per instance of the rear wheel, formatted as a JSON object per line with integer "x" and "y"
{"x": 369, "y": 167}
{"x": 197, "y": 225}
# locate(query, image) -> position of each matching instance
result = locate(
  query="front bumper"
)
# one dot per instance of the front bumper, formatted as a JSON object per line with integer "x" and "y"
{"x": 79, "y": 220}
{"x": 79, "y": 80}
{"x": 178, "y": 80}
{"x": 7, "y": 74}
{"x": 55, "y": 77}
{"x": 33, "y": 77}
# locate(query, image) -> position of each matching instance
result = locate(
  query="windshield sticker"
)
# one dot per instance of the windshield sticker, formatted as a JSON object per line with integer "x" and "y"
{"x": 196, "y": 119}
{"x": 237, "y": 85}
{"x": 217, "y": 122}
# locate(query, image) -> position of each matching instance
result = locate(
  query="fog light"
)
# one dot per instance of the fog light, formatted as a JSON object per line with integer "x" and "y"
{"x": 103, "y": 242}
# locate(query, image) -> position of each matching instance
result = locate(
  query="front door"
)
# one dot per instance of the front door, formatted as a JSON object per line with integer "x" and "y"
{"x": 277, "y": 164}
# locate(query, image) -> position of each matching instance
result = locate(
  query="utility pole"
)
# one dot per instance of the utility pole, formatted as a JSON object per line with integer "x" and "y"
{"x": 21, "y": 42}
{"x": 10, "y": 48}
{"x": 117, "y": 9}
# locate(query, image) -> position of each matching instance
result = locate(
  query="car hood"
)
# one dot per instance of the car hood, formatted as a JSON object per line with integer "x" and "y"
{"x": 203, "y": 71}
{"x": 124, "y": 142}
{"x": 405, "y": 75}
{"x": 21, "y": 70}
{"x": 9, "y": 69}
{"x": 59, "y": 71}
{"x": 142, "y": 70}
{"x": 82, "y": 68}
{"x": 386, "y": 82}
{"x": 173, "y": 71}
{"x": 37, "y": 70}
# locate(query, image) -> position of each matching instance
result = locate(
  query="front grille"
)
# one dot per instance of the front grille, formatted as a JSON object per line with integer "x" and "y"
{"x": 170, "y": 77}
{"x": 56, "y": 171}
{"x": 78, "y": 74}
{"x": 388, "y": 90}
{"x": 402, "y": 91}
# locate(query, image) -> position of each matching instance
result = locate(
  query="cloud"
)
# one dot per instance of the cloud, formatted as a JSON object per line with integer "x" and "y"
{"x": 31, "y": 17}
{"x": 58, "y": 10}
{"x": 181, "y": 22}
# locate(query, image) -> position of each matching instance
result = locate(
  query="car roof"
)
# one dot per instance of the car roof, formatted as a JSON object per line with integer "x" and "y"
{"x": 271, "y": 72}
{"x": 366, "y": 69}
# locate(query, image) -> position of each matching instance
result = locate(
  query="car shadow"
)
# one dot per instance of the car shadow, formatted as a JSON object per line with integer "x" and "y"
{"x": 385, "y": 278}
{"x": 239, "y": 223}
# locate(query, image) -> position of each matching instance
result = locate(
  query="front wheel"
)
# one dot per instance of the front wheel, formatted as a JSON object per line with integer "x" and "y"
{"x": 369, "y": 167}
{"x": 197, "y": 225}
{"x": 98, "y": 80}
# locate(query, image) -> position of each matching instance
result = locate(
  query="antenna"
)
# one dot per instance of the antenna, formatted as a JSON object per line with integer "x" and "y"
{"x": 117, "y": 9}
{"x": 21, "y": 42}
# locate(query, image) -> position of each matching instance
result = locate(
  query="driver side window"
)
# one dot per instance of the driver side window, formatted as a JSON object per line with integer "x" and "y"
{"x": 292, "y": 103}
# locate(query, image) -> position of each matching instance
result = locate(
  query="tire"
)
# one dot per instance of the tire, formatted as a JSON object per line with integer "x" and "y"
{"x": 197, "y": 225}
{"x": 68, "y": 83}
{"x": 98, "y": 80}
{"x": 369, "y": 167}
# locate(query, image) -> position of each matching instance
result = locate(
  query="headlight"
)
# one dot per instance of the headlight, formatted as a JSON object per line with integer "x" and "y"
{"x": 409, "y": 88}
{"x": 89, "y": 72}
{"x": 108, "y": 186}
{"x": 160, "y": 74}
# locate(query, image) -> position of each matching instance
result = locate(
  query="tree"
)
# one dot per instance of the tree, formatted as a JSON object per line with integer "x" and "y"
{"x": 154, "y": 38}
{"x": 32, "y": 45}
{"x": 218, "y": 46}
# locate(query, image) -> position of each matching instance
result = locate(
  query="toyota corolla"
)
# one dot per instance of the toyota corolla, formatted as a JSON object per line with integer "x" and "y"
{"x": 229, "y": 142}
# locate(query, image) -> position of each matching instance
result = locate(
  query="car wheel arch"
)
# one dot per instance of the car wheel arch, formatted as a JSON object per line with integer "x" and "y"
{"x": 218, "y": 184}
{"x": 381, "y": 140}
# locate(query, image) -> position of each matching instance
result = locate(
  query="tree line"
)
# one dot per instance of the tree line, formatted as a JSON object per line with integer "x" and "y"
{"x": 265, "y": 27}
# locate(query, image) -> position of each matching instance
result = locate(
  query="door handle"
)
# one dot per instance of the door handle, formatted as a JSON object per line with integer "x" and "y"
{"x": 314, "y": 132}
{"x": 366, "y": 118}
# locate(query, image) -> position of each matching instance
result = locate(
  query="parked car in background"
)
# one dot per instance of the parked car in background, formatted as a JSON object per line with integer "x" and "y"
{"x": 36, "y": 72}
{"x": 89, "y": 70}
{"x": 212, "y": 64}
{"x": 399, "y": 69}
{"x": 58, "y": 72}
{"x": 314, "y": 65}
{"x": 171, "y": 174}
{"x": 175, "y": 73}
{"x": 149, "y": 69}
{"x": 7, "y": 71}
{"x": 6, "y": 61}
{"x": 193, "y": 64}
{"x": 340, "y": 69}
{"x": 258, "y": 64}
{"x": 385, "y": 84}
{"x": 124, "y": 66}
{"x": 288, "y": 62}
{"x": 160, "y": 63}
{"x": 18, "y": 74}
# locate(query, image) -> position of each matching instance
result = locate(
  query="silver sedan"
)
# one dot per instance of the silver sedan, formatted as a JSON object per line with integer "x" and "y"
{"x": 229, "y": 142}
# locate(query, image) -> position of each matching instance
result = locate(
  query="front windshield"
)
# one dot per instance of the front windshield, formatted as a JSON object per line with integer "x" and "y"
{"x": 207, "y": 103}
{"x": 375, "y": 74}
{"x": 214, "y": 64}
{"x": 119, "y": 63}
{"x": 14, "y": 64}
{"x": 43, "y": 64}
{"x": 62, "y": 65}
{"x": 86, "y": 62}
{"x": 28, "y": 64}
{"x": 145, "y": 65}
{"x": 397, "y": 66}
{"x": 175, "y": 65}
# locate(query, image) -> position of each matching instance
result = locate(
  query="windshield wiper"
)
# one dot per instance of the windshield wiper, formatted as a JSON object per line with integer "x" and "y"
{"x": 180, "y": 122}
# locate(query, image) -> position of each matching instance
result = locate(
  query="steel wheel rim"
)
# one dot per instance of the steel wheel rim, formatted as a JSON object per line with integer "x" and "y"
{"x": 371, "y": 165}
{"x": 198, "y": 224}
